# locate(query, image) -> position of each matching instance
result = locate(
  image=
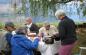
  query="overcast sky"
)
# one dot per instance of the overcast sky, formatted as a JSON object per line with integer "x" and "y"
{"x": 4, "y": 1}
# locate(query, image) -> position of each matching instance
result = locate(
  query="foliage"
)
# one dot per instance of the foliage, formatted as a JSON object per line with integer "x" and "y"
{"x": 83, "y": 7}
{"x": 53, "y": 23}
{"x": 84, "y": 12}
{"x": 81, "y": 35}
{"x": 81, "y": 0}
{"x": 1, "y": 25}
{"x": 42, "y": 7}
{"x": 23, "y": 6}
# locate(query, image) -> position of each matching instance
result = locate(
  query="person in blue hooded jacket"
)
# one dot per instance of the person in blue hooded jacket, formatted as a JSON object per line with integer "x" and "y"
{"x": 21, "y": 45}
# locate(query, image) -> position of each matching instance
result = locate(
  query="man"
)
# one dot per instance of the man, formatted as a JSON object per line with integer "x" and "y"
{"x": 67, "y": 33}
{"x": 47, "y": 31}
{"x": 10, "y": 28}
{"x": 33, "y": 27}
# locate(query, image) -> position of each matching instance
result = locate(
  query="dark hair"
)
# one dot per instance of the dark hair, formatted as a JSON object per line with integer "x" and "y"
{"x": 21, "y": 30}
{"x": 9, "y": 24}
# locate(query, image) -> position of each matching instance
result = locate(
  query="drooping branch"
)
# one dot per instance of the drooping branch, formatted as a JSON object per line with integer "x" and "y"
{"x": 61, "y": 1}
{"x": 43, "y": 6}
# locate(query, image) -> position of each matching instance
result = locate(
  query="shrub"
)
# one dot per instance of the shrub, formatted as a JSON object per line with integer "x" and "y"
{"x": 1, "y": 25}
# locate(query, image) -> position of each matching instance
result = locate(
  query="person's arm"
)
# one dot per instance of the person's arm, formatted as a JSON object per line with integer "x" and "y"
{"x": 56, "y": 30}
{"x": 35, "y": 28}
{"x": 28, "y": 44}
{"x": 61, "y": 31}
{"x": 40, "y": 32}
{"x": 8, "y": 37}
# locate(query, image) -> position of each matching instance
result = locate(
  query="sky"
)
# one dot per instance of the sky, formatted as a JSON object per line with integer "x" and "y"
{"x": 4, "y": 5}
{"x": 4, "y": 1}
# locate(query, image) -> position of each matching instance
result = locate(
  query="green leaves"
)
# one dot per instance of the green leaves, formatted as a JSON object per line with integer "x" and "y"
{"x": 84, "y": 12}
{"x": 81, "y": 0}
{"x": 42, "y": 7}
{"x": 23, "y": 6}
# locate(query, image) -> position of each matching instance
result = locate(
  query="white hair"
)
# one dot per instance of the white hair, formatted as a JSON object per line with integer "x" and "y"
{"x": 60, "y": 13}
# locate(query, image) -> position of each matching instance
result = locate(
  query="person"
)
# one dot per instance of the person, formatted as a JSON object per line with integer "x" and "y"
{"x": 47, "y": 31}
{"x": 66, "y": 33}
{"x": 31, "y": 26}
{"x": 10, "y": 28}
{"x": 3, "y": 41}
{"x": 21, "y": 45}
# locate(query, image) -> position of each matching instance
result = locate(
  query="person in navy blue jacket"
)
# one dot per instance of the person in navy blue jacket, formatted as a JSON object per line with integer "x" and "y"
{"x": 21, "y": 45}
{"x": 10, "y": 28}
{"x": 66, "y": 33}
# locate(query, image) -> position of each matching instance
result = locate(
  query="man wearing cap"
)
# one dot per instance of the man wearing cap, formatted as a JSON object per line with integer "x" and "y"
{"x": 47, "y": 31}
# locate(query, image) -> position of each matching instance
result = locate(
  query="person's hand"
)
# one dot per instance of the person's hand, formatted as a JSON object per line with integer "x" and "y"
{"x": 54, "y": 35}
{"x": 39, "y": 38}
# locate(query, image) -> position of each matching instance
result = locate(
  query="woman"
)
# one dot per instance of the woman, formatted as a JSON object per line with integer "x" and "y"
{"x": 21, "y": 45}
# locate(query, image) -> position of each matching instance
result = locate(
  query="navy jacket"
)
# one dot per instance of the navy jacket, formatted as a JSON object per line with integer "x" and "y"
{"x": 67, "y": 31}
{"x": 8, "y": 37}
{"x": 23, "y": 46}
